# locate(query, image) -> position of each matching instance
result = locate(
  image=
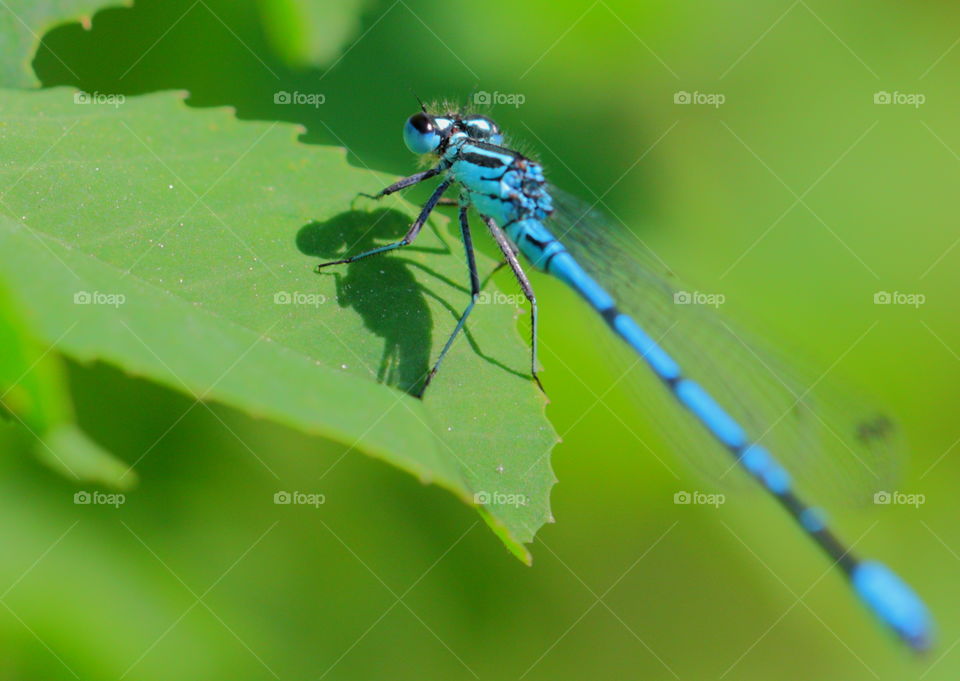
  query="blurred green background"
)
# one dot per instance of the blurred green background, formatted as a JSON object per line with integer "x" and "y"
{"x": 798, "y": 198}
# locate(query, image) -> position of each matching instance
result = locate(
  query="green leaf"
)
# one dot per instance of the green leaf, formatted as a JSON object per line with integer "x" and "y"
{"x": 22, "y": 25}
{"x": 179, "y": 244}
{"x": 310, "y": 32}
{"x": 34, "y": 394}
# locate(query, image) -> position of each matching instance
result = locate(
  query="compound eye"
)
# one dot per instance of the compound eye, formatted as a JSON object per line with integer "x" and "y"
{"x": 420, "y": 134}
{"x": 481, "y": 127}
{"x": 422, "y": 123}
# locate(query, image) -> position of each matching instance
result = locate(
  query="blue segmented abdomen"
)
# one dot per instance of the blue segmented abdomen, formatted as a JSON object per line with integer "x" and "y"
{"x": 877, "y": 586}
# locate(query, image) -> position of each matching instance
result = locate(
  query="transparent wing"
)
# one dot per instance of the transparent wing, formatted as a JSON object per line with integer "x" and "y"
{"x": 835, "y": 445}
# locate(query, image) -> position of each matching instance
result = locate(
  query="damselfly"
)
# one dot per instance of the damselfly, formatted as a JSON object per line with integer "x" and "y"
{"x": 725, "y": 396}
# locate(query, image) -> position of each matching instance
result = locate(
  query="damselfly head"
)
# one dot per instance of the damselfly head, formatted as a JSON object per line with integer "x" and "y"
{"x": 425, "y": 133}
